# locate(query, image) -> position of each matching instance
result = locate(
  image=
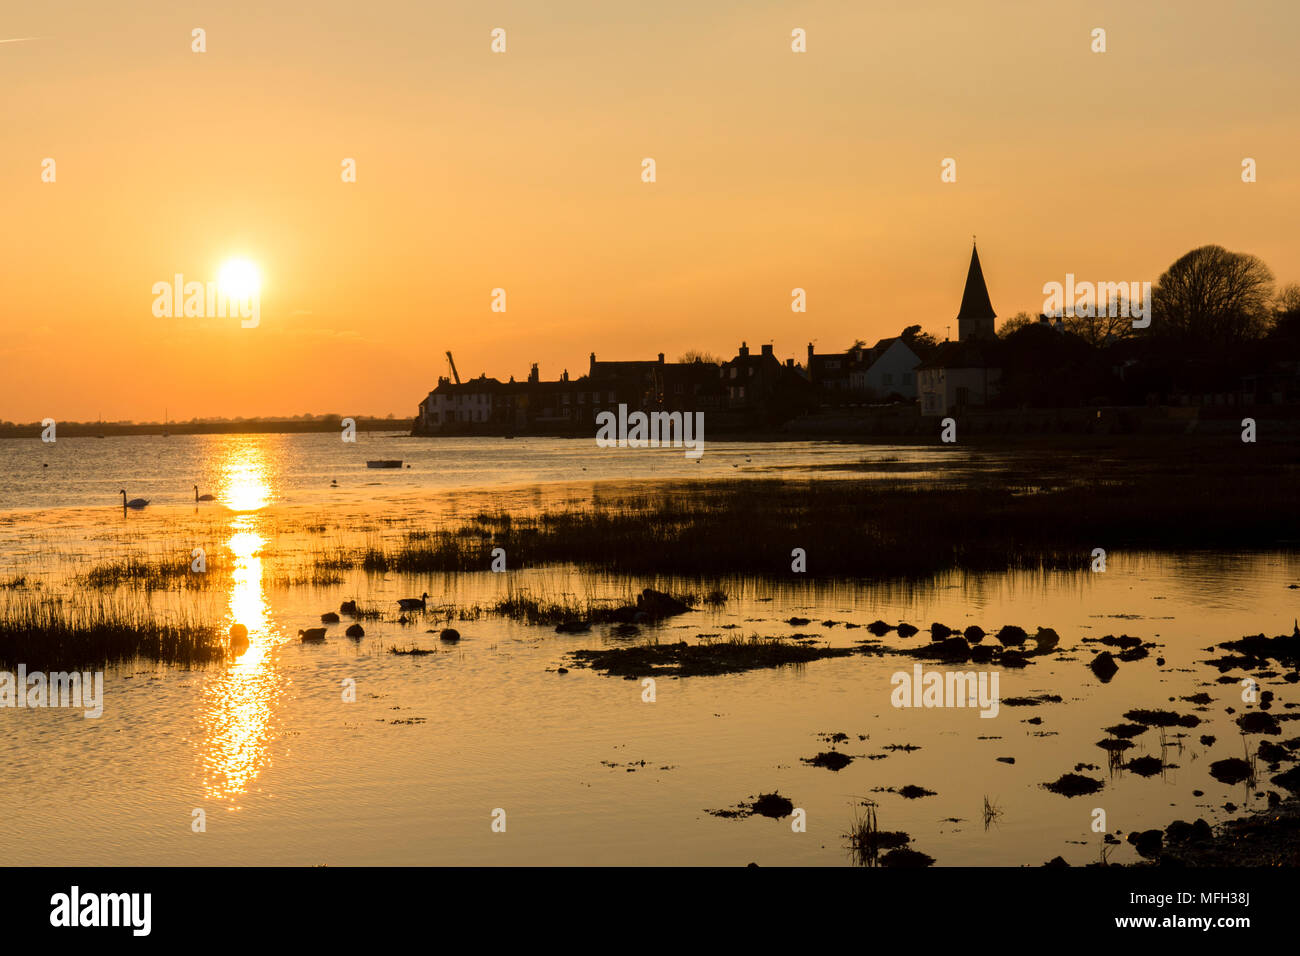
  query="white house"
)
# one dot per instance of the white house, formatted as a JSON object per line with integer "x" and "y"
{"x": 892, "y": 369}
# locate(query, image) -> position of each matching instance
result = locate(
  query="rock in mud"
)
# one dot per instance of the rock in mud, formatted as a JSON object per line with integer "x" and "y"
{"x": 1147, "y": 843}
{"x": 952, "y": 649}
{"x": 1162, "y": 718}
{"x": 906, "y": 630}
{"x": 913, "y": 792}
{"x": 1230, "y": 770}
{"x": 1104, "y": 666}
{"x": 1113, "y": 745}
{"x": 1047, "y": 639}
{"x": 906, "y": 858}
{"x": 772, "y": 805}
{"x": 939, "y": 631}
{"x": 1180, "y": 831}
{"x": 1073, "y": 785}
{"x": 1012, "y": 636}
{"x": 449, "y": 634}
{"x": 830, "y": 759}
{"x": 1126, "y": 731}
{"x": 1270, "y": 752}
{"x": 1258, "y": 722}
{"x": 974, "y": 634}
{"x": 1290, "y": 779}
{"x": 879, "y": 628}
{"x": 1145, "y": 766}
{"x": 657, "y": 604}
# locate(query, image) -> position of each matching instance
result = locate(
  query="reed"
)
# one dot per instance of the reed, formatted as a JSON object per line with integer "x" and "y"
{"x": 55, "y": 634}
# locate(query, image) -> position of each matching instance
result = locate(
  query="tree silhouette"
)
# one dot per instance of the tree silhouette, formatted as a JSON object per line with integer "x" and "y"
{"x": 1213, "y": 298}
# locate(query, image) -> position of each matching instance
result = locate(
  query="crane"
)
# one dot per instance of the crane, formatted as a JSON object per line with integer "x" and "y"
{"x": 452, "y": 362}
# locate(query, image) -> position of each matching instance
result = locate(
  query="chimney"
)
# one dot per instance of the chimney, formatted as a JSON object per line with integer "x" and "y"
{"x": 533, "y": 374}
{"x": 789, "y": 363}
{"x": 564, "y": 376}
{"x": 744, "y": 350}
{"x": 661, "y": 358}
{"x": 592, "y": 371}
{"x": 767, "y": 350}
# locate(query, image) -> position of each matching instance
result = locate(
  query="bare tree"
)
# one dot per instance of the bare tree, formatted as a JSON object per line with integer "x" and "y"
{"x": 1102, "y": 328}
{"x": 1288, "y": 300}
{"x": 1014, "y": 324}
{"x": 695, "y": 355}
{"x": 1214, "y": 297}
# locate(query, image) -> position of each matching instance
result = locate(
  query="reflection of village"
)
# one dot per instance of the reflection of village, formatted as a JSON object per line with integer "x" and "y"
{"x": 1038, "y": 378}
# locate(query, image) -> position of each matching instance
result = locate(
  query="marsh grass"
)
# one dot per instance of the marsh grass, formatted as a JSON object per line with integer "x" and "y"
{"x": 991, "y": 812}
{"x": 882, "y": 528}
{"x": 867, "y": 840}
{"x": 51, "y": 634}
{"x": 152, "y": 574}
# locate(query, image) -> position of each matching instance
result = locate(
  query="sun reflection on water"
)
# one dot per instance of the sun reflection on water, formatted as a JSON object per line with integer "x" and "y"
{"x": 238, "y": 707}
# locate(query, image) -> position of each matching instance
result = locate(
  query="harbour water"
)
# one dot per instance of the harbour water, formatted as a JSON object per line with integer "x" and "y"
{"x": 286, "y": 769}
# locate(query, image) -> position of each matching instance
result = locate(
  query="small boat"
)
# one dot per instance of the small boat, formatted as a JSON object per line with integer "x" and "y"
{"x": 385, "y": 463}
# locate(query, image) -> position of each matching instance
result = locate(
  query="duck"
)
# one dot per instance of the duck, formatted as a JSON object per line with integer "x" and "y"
{"x": 449, "y": 634}
{"x": 312, "y": 635}
{"x": 414, "y": 604}
{"x": 136, "y": 503}
{"x": 238, "y": 637}
{"x": 355, "y": 631}
{"x": 348, "y": 607}
{"x": 199, "y": 497}
{"x": 329, "y": 617}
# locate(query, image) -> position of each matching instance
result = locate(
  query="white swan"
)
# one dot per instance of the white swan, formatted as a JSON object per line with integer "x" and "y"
{"x": 136, "y": 503}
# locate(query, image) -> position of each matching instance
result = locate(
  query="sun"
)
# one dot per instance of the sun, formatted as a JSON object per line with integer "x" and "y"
{"x": 239, "y": 279}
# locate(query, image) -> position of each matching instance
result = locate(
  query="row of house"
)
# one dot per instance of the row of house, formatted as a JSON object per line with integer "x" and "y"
{"x": 749, "y": 389}
{"x": 746, "y": 391}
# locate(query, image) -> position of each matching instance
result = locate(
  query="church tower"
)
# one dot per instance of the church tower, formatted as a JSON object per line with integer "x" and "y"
{"x": 975, "y": 319}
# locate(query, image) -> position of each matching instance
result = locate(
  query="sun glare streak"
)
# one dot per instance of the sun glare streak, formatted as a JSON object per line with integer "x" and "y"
{"x": 245, "y": 476}
{"x": 239, "y": 706}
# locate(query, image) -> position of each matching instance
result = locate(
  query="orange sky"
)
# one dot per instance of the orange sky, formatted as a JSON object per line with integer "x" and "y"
{"x": 522, "y": 170}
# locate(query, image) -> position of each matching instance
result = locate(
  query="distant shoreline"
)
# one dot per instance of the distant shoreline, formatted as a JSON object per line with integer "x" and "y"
{"x": 259, "y": 426}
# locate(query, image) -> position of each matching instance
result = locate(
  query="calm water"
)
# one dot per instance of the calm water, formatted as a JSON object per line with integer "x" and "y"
{"x": 410, "y": 772}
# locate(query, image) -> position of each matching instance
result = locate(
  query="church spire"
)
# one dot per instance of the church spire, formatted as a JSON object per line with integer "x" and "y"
{"x": 975, "y": 318}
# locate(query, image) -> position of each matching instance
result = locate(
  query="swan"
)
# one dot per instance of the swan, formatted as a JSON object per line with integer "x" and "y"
{"x": 199, "y": 497}
{"x": 136, "y": 503}
{"x": 414, "y": 604}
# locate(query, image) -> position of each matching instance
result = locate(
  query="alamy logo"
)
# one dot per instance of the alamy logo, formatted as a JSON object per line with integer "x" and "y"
{"x": 946, "y": 689}
{"x": 57, "y": 689}
{"x": 103, "y": 909}
{"x": 232, "y": 297}
{"x": 1091, "y": 300}
{"x": 652, "y": 430}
